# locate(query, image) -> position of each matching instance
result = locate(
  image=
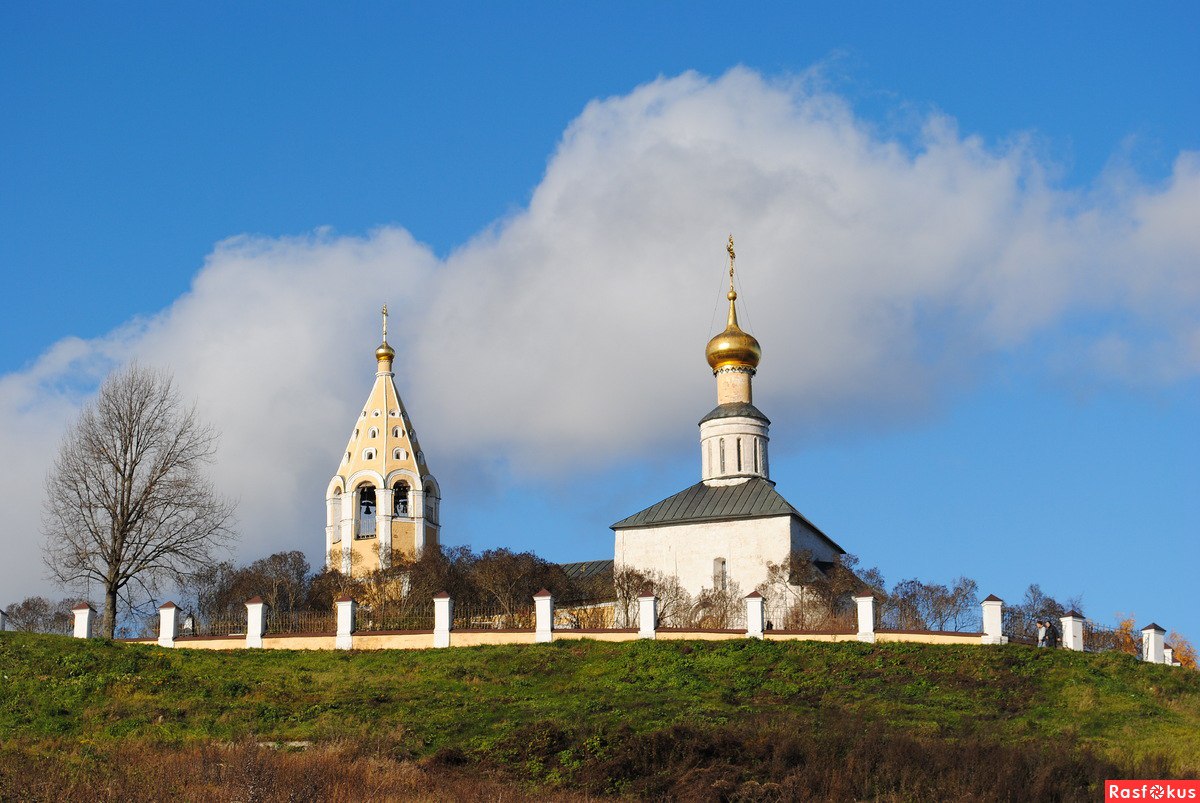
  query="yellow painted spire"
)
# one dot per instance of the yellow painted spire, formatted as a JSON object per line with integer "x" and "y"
{"x": 732, "y": 348}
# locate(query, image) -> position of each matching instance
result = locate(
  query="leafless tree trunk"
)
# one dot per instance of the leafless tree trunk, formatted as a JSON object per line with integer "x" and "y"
{"x": 127, "y": 503}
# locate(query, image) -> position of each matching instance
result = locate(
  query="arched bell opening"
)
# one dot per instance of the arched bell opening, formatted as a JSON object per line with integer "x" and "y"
{"x": 401, "y": 496}
{"x": 366, "y": 508}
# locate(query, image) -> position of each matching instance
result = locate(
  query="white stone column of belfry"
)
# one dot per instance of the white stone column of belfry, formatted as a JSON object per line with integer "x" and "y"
{"x": 333, "y": 515}
{"x": 418, "y": 514}
{"x": 347, "y": 525}
{"x": 383, "y": 525}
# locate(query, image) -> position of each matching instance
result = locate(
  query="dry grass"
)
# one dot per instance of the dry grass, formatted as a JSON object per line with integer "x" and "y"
{"x": 244, "y": 773}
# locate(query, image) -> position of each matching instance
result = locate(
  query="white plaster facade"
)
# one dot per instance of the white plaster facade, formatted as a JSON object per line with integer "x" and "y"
{"x": 691, "y": 552}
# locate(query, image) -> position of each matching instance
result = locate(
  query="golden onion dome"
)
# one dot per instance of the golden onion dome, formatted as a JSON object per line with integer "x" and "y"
{"x": 733, "y": 348}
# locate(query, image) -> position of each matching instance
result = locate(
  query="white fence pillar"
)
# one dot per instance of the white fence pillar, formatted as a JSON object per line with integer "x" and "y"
{"x": 647, "y": 614}
{"x": 85, "y": 617}
{"x": 993, "y": 620}
{"x": 443, "y": 614}
{"x": 755, "y": 614}
{"x": 347, "y": 610}
{"x": 1152, "y": 643}
{"x": 1072, "y": 631}
{"x": 256, "y": 622}
{"x": 3, "y": 621}
{"x": 168, "y": 624}
{"x": 866, "y": 617}
{"x": 543, "y": 607}
{"x": 1169, "y": 656}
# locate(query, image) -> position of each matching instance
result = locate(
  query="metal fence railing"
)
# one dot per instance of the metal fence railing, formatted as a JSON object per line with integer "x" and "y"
{"x": 592, "y": 614}
{"x": 1101, "y": 638}
{"x": 301, "y": 622}
{"x": 805, "y": 618}
{"x": 469, "y": 616}
{"x": 395, "y": 616}
{"x": 196, "y": 626}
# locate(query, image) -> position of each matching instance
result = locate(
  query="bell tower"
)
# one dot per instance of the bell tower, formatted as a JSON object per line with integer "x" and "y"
{"x": 733, "y": 436}
{"x": 383, "y": 502}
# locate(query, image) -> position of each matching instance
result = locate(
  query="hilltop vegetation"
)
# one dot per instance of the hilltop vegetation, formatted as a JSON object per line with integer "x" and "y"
{"x": 743, "y": 719}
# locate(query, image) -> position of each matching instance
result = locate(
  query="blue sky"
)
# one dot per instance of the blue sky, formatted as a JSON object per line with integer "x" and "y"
{"x": 138, "y": 139}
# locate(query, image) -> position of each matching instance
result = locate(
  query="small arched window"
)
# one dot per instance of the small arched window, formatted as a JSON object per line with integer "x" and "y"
{"x": 346, "y": 458}
{"x": 739, "y": 455}
{"x": 356, "y": 432}
{"x": 757, "y": 463}
{"x": 420, "y": 457}
{"x": 395, "y": 432}
{"x": 368, "y": 454}
{"x": 721, "y": 449}
{"x": 373, "y": 433}
{"x": 375, "y": 414}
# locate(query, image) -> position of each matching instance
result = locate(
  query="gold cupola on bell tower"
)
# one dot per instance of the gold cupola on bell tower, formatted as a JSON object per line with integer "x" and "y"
{"x": 733, "y": 354}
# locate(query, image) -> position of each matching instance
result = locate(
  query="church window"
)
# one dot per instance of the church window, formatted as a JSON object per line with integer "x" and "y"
{"x": 375, "y": 414}
{"x": 346, "y": 458}
{"x": 721, "y": 449}
{"x": 368, "y": 454}
{"x": 393, "y": 413}
{"x": 420, "y": 457}
{"x": 364, "y": 414}
{"x": 720, "y": 575}
{"x": 739, "y": 454}
{"x": 395, "y": 432}
{"x": 757, "y": 463}
{"x": 400, "y": 499}
{"x": 762, "y": 466}
{"x": 364, "y": 522}
{"x": 373, "y": 433}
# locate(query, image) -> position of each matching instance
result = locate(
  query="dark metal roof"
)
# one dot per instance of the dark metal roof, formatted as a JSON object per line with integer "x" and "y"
{"x": 735, "y": 410}
{"x": 755, "y": 498}
{"x": 587, "y": 570}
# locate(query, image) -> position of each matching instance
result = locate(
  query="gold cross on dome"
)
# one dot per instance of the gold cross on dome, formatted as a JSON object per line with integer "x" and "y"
{"x": 732, "y": 257}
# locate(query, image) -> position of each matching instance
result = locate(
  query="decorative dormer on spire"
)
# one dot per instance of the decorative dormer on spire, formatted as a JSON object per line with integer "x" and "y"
{"x": 383, "y": 501}
{"x": 733, "y": 437}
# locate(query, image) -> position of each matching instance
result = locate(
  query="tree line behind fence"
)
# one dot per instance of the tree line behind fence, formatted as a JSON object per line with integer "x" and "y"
{"x": 494, "y": 590}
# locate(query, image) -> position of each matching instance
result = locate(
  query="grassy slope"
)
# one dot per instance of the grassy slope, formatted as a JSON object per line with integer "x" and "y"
{"x": 483, "y": 701}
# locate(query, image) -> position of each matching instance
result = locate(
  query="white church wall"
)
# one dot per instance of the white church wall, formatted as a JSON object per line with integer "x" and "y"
{"x": 687, "y": 551}
{"x": 805, "y": 538}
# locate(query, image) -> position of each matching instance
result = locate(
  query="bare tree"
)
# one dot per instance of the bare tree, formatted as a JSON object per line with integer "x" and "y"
{"x": 128, "y": 504}
{"x": 40, "y": 615}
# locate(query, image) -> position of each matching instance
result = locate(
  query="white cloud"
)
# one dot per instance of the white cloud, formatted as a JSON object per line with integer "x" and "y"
{"x": 875, "y": 273}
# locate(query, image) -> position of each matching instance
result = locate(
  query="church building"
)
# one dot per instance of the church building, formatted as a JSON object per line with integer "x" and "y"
{"x": 382, "y": 502}
{"x": 725, "y": 528}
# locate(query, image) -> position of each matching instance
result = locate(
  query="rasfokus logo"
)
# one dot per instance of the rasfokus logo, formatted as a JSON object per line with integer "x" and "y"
{"x": 1152, "y": 790}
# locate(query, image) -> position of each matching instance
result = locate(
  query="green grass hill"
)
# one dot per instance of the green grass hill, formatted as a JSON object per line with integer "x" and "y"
{"x": 735, "y": 720}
